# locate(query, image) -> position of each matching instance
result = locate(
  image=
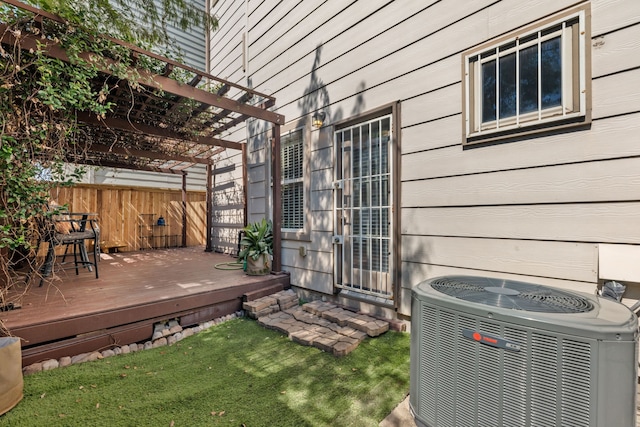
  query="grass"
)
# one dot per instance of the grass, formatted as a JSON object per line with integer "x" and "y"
{"x": 234, "y": 374}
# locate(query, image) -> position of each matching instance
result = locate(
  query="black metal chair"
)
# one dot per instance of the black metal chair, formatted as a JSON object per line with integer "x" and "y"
{"x": 73, "y": 229}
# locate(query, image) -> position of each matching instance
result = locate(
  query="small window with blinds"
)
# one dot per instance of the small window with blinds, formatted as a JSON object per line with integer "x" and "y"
{"x": 293, "y": 197}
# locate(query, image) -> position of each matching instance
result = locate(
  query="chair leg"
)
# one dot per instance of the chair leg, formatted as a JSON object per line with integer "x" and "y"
{"x": 84, "y": 256}
{"x": 96, "y": 256}
{"x": 75, "y": 256}
{"x": 66, "y": 250}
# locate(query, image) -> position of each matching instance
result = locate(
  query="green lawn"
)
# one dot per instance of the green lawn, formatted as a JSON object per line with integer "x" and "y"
{"x": 233, "y": 374}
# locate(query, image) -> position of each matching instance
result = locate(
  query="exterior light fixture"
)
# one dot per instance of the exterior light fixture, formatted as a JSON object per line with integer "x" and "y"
{"x": 318, "y": 119}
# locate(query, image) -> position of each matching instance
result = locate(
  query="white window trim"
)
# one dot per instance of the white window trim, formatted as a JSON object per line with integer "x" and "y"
{"x": 475, "y": 131}
{"x": 303, "y": 233}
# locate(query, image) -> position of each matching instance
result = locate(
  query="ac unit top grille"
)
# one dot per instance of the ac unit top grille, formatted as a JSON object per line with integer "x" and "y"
{"x": 511, "y": 294}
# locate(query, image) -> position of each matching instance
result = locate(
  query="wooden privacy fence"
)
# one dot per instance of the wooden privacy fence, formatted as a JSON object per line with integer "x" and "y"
{"x": 128, "y": 217}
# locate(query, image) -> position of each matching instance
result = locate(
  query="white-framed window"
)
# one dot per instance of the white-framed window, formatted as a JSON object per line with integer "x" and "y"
{"x": 292, "y": 186}
{"x": 532, "y": 79}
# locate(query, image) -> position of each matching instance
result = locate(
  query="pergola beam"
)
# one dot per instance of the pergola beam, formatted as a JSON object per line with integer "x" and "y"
{"x": 128, "y": 166}
{"x": 141, "y": 128}
{"x": 100, "y": 148}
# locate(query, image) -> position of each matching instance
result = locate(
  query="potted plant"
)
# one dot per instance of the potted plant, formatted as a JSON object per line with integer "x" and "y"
{"x": 257, "y": 248}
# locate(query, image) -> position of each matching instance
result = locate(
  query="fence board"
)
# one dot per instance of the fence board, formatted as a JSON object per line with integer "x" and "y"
{"x": 118, "y": 210}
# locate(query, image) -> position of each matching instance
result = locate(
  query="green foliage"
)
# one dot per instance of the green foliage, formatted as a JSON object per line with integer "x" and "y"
{"x": 236, "y": 373}
{"x": 257, "y": 240}
{"x": 145, "y": 26}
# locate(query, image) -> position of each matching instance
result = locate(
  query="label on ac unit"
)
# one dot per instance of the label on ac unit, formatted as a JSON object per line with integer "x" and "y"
{"x": 491, "y": 340}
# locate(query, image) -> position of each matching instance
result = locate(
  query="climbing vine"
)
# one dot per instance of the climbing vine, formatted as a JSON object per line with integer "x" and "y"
{"x": 40, "y": 96}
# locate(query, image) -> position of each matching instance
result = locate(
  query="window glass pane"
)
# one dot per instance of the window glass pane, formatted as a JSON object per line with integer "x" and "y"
{"x": 384, "y": 190}
{"x": 507, "y": 82}
{"x": 365, "y": 228}
{"x": 375, "y": 222}
{"x": 551, "y": 73}
{"x": 489, "y": 91}
{"x": 385, "y": 253}
{"x": 375, "y": 148}
{"x": 365, "y": 159}
{"x": 292, "y": 155}
{"x": 355, "y": 137}
{"x": 375, "y": 255}
{"x": 366, "y": 192}
{"x": 385, "y": 221}
{"x": 356, "y": 254}
{"x": 365, "y": 254}
{"x": 292, "y": 189}
{"x": 385, "y": 135}
{"x": 356, "y": 222}
{"x": 529, "y": 79}
{"x": 375, "y": 191}
{"x": 292, "y": 207}
{"x": 356, "y": 193}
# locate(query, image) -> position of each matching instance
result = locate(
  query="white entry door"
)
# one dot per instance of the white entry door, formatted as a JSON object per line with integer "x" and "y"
{"x": 363, "y": 208}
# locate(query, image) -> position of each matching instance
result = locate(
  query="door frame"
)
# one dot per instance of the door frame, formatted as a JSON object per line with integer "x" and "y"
{"x": 395, "y": 233}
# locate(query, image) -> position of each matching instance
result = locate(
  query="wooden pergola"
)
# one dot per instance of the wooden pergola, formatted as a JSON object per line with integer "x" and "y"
{"x": 161, "y": 122}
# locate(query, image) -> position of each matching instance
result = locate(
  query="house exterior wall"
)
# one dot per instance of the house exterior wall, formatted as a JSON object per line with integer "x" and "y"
{"x": 193, "y": 42}
{"x": 535, "y": 209}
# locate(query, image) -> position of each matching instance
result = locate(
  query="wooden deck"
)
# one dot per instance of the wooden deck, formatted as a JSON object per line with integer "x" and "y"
{"x": 75, "y": 314}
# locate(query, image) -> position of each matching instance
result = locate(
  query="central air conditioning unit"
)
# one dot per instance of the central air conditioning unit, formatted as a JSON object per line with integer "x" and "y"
{"x": 490, "y": 352}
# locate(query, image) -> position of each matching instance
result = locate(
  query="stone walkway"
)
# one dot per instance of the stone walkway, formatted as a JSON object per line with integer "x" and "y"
{"x": 319, "y": 324}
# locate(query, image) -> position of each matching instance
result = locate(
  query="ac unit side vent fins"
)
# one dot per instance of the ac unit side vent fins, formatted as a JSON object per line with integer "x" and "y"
{"x": 576, "y": 383}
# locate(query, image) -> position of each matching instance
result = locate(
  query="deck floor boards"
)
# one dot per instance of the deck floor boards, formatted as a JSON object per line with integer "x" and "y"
{"x": 132, "y": 287}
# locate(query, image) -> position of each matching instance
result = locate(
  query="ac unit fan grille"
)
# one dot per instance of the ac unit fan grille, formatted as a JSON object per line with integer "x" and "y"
{"x": 511, "y": 294}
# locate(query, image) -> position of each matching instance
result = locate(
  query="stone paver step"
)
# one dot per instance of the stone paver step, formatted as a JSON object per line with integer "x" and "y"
{"x": 370, "y": 325}
{"x": 313, "y": 331}
{"x": 279, "y": 301}
{"x": 323, "y": 325}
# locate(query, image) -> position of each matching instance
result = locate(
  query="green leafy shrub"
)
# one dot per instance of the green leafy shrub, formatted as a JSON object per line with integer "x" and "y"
{"x": 257, "y": 240}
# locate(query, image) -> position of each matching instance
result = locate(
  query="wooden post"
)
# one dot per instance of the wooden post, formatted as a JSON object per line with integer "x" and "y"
{"x": 184, "y": 209}
{"x": 209, "y": 202}
{"x": 277, "y": 196}
{"x": 245, "y": 183}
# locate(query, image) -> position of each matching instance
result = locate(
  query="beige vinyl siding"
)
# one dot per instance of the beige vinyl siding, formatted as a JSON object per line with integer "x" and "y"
{"x": 228, "y": 202}
{"x": 226, "y": 62}
{"x": 562, "y": 260}
{"x": 615, "y": 51}
{"x": 606, "y": 139}
{"x": 196, "y": 178}
{"x": 609, "y": 222}
{"x": 226, "y": 41}
{"x": 534, "y": 209}
{"x": 192, "y": 42}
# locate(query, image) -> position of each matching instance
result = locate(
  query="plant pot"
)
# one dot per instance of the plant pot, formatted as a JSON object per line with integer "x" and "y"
{"x": 11, "y": 382}
{"x": 259, "y": 267}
